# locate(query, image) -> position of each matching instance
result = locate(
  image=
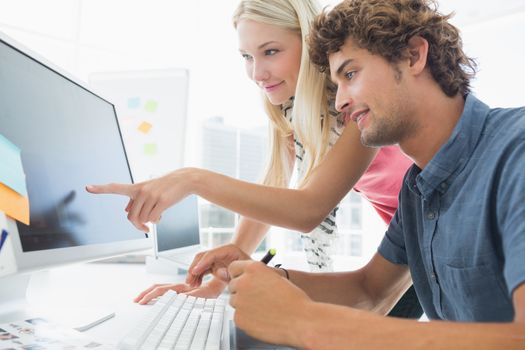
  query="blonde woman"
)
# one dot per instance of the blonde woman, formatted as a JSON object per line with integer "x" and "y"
{"x": 306, "y": 132}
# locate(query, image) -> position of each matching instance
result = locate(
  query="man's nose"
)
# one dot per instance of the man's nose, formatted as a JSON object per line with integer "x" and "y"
{"x": 343, "y": 101}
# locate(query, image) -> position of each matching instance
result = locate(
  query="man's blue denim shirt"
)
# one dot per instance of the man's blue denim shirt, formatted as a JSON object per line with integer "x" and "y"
{"x": 460, "y": 225}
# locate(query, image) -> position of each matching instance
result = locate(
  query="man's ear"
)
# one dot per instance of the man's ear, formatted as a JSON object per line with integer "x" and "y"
{"x": 417, "y": 54}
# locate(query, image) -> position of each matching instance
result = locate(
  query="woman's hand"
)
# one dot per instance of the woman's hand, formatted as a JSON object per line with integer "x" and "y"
{"x": 210, "y": 289}
{"x": 214, "y": 261}
{"x": 149, "y": 199}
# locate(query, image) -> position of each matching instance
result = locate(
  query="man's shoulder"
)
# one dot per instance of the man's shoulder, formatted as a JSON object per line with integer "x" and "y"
{"x": 507, "y": 121}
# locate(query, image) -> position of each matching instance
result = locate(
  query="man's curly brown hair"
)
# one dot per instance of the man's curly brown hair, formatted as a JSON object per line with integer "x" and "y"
{"x": 384, "y": 27}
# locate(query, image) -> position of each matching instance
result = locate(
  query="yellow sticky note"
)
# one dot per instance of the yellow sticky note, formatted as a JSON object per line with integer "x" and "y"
{"x": 151, "y": 106}
{"x": 14, "y": 205}
{"x": 145, "y": 127}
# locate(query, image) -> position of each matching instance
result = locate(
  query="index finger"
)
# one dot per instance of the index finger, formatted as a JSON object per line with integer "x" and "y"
{"x": 196, "y": 260}
{"x": 204, "y": 264}
{"x": 142, "y": 294}
{"x": 113, "y": 188}
{"x": 237, "y": 268}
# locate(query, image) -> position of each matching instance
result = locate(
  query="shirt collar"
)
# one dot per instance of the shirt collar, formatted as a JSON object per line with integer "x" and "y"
{"x": 443, "y": 168}
{"x": 286, "y": 108}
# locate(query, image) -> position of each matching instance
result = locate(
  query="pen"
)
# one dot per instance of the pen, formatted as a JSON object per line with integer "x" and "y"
{"x": 269, "y": 256}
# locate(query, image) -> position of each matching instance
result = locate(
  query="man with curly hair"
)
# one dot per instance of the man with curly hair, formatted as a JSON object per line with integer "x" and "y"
{"x": 459, "y": 231}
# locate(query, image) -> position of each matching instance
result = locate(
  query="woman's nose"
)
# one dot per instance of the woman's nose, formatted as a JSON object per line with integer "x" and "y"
{"x": 259, "y": 72}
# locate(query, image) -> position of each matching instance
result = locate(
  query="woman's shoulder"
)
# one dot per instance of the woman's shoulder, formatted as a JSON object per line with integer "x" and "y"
{"x": 390, "y": 159}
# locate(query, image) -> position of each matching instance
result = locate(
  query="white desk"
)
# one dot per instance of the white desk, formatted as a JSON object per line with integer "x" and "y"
{"x": 86, "y": 287}
{"x": 110, "y": 287}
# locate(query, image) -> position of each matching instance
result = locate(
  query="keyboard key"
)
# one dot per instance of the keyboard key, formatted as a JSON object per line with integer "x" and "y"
{"x": 201, "y": 334}
{"x": 177, "y": 321}
{"x": 186, "y": 336}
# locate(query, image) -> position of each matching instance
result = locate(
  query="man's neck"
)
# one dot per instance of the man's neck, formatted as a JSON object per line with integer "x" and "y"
{"x": 437, "y": 115}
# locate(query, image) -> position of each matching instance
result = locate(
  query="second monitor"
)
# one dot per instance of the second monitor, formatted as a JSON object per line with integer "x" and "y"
{"x": 177, "y": 235}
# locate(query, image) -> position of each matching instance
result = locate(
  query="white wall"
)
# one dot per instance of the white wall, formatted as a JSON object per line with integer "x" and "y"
{"x": 497, "y": 45}
{"x": 85, "y": 36}
{"x": 107, "y": 35}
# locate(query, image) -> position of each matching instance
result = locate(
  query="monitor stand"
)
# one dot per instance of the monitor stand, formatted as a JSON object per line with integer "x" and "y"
{"x": 164, "y": 266}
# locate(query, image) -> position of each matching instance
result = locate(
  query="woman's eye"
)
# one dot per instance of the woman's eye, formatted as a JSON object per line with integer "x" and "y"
{"x": 349, "y": 75}
{"x": 246, "y": 56}
{"x": 270, "y": 52}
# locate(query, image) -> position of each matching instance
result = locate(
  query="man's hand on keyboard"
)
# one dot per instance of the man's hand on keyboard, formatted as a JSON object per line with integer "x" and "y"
{"x": 214, "y": 261}
{"x": 211, "y": 289}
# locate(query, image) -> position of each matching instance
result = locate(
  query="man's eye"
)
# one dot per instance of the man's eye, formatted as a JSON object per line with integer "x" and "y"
{"x": 349, "y": 75}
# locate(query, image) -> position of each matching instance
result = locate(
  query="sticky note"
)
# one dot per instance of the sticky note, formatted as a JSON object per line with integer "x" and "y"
{"x": 11, "y": 170}
{"x": 134, "y": 102}
{"x": 14, "y": 204}
{"x": 150, "y": 149}
{"x": 145, "y": 127}
{"x": 151, "y": 106}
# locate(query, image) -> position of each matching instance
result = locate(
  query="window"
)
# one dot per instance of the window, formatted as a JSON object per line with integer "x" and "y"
{"x": 356, "y": 245}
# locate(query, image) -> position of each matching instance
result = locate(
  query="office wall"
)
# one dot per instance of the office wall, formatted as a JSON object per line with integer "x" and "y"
{"x": 87, "y": 36}
{"x": 115, "y": 35}
{"x": 497, "y": 46}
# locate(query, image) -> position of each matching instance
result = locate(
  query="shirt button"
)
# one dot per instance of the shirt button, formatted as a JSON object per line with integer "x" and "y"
{"x": 443, "y": 185}
{"x": 431, "y": 215}
{"x": 433, "y": 276}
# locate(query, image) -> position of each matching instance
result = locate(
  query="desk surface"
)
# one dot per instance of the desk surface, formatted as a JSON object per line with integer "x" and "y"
{"x": 92, "y": 288}
{"x": 105, "y": 287}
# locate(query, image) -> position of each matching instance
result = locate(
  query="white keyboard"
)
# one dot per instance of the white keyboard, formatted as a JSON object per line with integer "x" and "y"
{"x": 179, "y": 322}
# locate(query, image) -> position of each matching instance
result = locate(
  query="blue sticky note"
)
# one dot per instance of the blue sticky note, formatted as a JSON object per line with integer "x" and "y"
{"x": 133, "y": 102}
{"x": 11, "y": 170}
{"x": 3, "y": 237}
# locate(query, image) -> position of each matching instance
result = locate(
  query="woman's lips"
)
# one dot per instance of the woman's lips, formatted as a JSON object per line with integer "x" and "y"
{"x": 270, "y": 88}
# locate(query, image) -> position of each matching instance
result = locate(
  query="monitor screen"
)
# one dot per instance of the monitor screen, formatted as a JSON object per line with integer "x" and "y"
{"x": 69, "y": 137}
{"x": 179, "y": 227}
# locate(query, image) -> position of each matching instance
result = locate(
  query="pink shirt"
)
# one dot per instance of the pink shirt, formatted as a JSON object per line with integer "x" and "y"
{"x": 382, "y": 181}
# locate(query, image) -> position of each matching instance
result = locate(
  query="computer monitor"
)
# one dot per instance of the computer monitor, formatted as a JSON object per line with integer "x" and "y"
{"x": 177, "y": 235}
{"x": 69, "y": 137}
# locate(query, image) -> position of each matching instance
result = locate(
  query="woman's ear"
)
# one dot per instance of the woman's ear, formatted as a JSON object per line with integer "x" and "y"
{"x": 417, "y": 54}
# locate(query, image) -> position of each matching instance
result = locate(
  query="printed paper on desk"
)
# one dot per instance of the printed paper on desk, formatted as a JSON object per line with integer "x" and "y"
{"x": 11, "y": 170}
{"x": 41, "y": 334}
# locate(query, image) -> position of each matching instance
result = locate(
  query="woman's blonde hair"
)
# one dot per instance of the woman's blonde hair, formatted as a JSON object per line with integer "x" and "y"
{"x": 310, "y": 110}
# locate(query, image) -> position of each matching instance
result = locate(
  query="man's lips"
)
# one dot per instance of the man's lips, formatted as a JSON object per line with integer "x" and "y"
{"x": 357, "y": 115}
